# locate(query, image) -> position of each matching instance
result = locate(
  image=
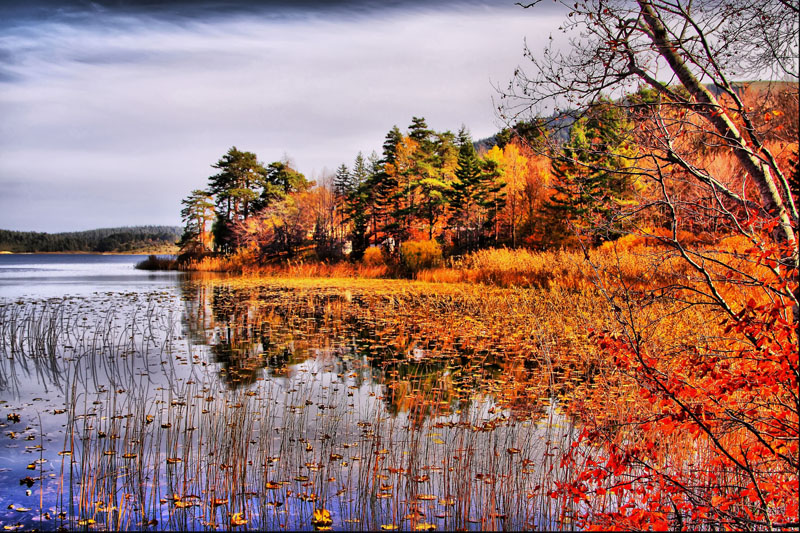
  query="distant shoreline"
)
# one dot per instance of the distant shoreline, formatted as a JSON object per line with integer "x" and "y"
{"x": 132, "y": 252}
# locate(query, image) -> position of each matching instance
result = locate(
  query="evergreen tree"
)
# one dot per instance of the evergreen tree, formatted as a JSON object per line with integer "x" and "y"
{"x": 281, "y": 180}
{"x": 390, "y": 145}
{"x": 357, "y": 207}
{"x": 418, "y": 130}
{"x": 235, "y": 189}
{"x": 436, "y": 178}
{"x": 342, "y": 182}
{"x": 491, "y": 197}
{"x": 591, "y": 177}
{"x": 198, "y": 210}
{"x": 360, "y": 171}
{"x": 382, "y": 185}
{"x": 463, "y": 193}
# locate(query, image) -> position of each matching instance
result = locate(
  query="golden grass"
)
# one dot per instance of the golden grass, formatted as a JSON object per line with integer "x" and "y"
{"x": 290, "y": 269}
{"x": 632, "y": 264}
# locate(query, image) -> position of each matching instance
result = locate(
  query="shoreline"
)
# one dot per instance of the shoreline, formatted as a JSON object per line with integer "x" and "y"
{"x": 133, "y": 252}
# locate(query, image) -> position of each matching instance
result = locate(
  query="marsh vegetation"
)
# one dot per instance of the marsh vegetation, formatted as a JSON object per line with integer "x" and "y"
{"x": 256, "y": 402}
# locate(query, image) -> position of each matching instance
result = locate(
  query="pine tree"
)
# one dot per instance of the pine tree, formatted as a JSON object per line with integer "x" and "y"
{"x": 198, "y": 210}
{"x": 592, "y": 180}
{"x": 342, "y": 182}
{"x": 382, "y": 185}
{"x": 418, "y": 130}
{"x": 235, "y": 189}
{"x": 462, "y": 195}
{"x": 360, "y": 171}
{"x": 491, "y": 197}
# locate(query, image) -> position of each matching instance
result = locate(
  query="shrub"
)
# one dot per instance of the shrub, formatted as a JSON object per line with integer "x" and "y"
{"x": 373, "y": 256}
{"x": 416, "y": 255}
{"x": 154, "y": 262}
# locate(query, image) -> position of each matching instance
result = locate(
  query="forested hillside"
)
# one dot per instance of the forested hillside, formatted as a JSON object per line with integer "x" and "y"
{"x": 125, "y": 239}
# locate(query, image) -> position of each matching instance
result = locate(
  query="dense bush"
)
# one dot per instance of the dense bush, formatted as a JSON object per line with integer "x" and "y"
{"x": 417, "y": 255}
{"x": 154, "y": 262}
{"x": 373, "y": 256}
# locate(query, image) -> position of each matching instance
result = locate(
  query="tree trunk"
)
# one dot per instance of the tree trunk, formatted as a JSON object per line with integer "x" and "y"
{"x": 760, "y": 172}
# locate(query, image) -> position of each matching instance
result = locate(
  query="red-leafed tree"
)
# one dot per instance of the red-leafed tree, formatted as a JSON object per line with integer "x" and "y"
{"x": 700, "y": 432}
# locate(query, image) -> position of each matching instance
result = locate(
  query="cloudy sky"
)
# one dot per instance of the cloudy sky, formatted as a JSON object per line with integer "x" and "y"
{"x": 113, "y": 111}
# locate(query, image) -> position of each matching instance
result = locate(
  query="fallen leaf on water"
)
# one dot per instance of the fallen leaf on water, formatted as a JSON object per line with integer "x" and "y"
{"x": 237, "y": 520}
{"x": 182, "y": 504}
{"x": 322, "y": 520}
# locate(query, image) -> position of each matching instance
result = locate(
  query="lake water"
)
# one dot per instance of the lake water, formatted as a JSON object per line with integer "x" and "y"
{"x": 149, "y": 401}
{"x": 55, "y": 275}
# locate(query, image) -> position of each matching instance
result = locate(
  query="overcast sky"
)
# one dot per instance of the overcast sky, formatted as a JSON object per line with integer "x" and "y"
{"x": 113, "y": 111}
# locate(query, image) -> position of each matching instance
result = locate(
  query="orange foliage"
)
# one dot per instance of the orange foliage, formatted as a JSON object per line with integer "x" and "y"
{"x": 708, "y": 437}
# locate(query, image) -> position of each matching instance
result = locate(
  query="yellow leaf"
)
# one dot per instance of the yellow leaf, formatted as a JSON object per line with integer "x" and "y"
{"x": 322, "y": 520}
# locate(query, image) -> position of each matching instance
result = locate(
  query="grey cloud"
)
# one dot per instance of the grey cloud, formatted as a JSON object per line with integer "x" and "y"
{"x": 114, "y": 109}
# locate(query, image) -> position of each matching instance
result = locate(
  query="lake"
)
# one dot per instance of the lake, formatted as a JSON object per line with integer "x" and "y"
{"x": 168, "y": 401}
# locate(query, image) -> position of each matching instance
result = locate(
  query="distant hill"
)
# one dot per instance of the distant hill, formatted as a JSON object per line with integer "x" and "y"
{"x": 559, "y": 124}
{"x": 145, "y": 239}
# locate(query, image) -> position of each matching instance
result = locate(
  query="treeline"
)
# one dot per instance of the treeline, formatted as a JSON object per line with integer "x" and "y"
{"x": 580, "y": 179}
{"x": 424, "y": 185}
{"x": 124, "y": 239}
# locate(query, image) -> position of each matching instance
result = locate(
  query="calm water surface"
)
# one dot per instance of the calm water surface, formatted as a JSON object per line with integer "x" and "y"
{"x": 150, "y": 401}
{"x": 55, "y": 275}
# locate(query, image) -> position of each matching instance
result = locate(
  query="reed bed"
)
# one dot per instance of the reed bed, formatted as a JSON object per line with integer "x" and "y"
{"x": 635, "y": 262}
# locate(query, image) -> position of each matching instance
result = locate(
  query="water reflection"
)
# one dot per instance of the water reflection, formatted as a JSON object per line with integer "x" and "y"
{"x": 257, "y": 332}
{"x": 230, "y": 399}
